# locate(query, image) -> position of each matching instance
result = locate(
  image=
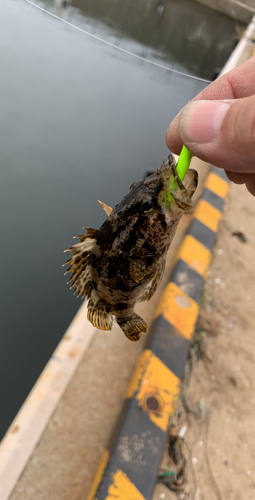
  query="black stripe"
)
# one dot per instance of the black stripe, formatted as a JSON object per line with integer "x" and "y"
{"x": 188, "y": 280}
{"x": 203, "y": 234}
{"x": 168, "y": 345}
{"x": 221, "y": 173}
{"x": 213, "y": 199}
{"x": 137, "y": 452}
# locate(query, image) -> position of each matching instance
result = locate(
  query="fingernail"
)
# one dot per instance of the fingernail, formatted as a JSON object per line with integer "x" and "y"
{"x": 201, "y": 120}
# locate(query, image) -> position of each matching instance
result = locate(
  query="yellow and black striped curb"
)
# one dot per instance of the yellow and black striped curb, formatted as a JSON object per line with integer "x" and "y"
{"x": 129, "y": 467}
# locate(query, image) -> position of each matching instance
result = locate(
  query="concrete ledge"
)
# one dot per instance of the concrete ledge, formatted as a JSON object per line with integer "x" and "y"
{"x": 30, "y": 422}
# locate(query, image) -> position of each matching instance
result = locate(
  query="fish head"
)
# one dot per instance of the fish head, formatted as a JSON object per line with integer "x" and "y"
{"x": 162, "y": 197}
{"x": 171, "y": 194}
{"x": 144, "y": 222}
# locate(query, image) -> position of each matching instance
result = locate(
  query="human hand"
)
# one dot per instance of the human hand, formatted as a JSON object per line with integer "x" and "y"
{"x": 218, "y": 125}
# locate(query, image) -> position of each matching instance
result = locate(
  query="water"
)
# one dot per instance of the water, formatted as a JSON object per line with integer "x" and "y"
{"x": 80, "y": 121}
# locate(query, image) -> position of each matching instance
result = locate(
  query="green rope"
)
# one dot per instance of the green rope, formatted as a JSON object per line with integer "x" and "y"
{"x": 167, "y": 473}
{"x": 181, "y": 168}
{"x": 183, "y": 162}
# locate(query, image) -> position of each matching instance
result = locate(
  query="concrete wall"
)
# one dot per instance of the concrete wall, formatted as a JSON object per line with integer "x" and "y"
{"x": 240, "y": 10}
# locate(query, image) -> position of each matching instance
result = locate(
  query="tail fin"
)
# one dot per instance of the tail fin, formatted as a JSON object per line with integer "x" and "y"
{"x": 133, "y": 326}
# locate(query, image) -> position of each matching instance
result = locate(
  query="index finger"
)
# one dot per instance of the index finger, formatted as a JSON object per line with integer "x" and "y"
{"x": 237, "y": 83}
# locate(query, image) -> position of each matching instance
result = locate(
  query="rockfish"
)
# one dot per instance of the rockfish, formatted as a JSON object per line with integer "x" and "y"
{"x": 122, "y": 263}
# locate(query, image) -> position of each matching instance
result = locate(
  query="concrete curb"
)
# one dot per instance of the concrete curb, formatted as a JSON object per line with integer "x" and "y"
{"x": 129, "y": 466}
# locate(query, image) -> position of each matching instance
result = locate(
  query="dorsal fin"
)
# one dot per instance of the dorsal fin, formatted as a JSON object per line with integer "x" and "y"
{"x": 80, "y": 262}
{"x": 106, "y": 208}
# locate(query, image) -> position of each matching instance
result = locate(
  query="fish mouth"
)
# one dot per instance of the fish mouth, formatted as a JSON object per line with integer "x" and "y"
{"x": 189, "y": 183}
{"x": 181, "y": 192}
{"x": 166, "y": 184}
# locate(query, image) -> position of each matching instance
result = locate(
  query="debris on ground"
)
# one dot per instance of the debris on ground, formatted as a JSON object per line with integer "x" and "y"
{"x": 239, "y": 235}
{"x": 173, "y": 469}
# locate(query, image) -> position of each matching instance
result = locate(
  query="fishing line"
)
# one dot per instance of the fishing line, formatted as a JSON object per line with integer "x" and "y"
{"x": 116, "y": 46}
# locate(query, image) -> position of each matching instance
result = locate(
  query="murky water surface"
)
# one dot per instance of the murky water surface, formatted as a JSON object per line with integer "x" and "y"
{"x": 79, "y": 121}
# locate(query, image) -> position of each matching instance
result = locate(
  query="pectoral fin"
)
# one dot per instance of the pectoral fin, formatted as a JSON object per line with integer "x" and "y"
{"x": 138, "y": 269}
{"x": 153, "y": 286}
{"x": 80, "y": 262}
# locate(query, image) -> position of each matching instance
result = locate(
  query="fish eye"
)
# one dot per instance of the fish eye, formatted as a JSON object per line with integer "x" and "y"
{"x": 149, "y": 205}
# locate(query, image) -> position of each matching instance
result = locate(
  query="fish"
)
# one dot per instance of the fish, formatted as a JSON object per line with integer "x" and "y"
{"x": 123, "y": 262}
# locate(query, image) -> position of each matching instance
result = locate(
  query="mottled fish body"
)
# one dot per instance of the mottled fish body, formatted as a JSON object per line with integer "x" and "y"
{"x": 123, "y": 262}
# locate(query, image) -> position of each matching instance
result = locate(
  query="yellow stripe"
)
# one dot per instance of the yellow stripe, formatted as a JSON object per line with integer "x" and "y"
{"x": 217, "y": 185}
{"x": 207, "y": 214}
{"x": 138, "y": 373}
{"x": 122, "y": 488}
{"x": 98, "y": 476}
{"x": 195, "y": 254}
{"x": 152, "y": 379}
{"x": 159, "y": 383}
{"x": 178, "y": 309}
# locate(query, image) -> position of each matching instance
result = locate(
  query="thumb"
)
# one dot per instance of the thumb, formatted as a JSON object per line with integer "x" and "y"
{"x": 221, "y": 132}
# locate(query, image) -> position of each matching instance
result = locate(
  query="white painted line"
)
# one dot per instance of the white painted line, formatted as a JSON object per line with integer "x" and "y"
{"x": 29, "y": 424}
{"x": 249, "y": 31}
